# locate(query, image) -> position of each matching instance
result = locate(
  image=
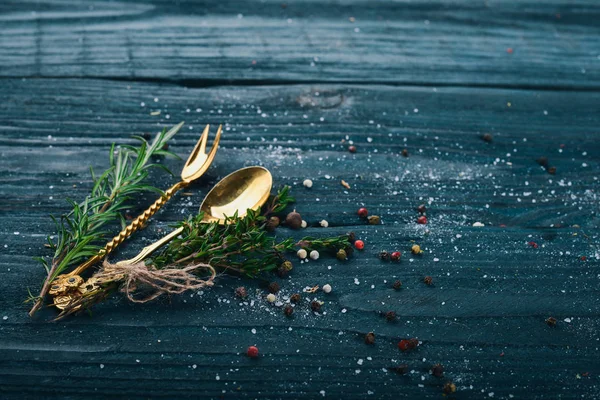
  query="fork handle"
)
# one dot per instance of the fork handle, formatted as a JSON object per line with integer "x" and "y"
{"x": 135, "y": 225}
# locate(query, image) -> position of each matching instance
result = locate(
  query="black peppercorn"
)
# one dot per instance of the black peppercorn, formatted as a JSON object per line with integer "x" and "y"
{"x": 487, "y": 137}
{"x": 370, "y": 338}
{"x": 428, "y": 280}
{"x": 351, "y": 237}
{"x": 404, "y": 152}
{"x": 288, "y": 310}
{"x": 146, "y": 136}
{"x": 543, "y": 161}
{"x": 294, "y": 220}
{"x": 551, "y": 170}
{"x": 272, "y": 223}
{"x": 315, "y": 306}
{"x": 400, "y": 369}
{"x": 437, "y": 370}
{"x": 551, "y": 321}
{"x": 282, "y": 272}
{"x": 295, "y": 298}
{"x": 397, "y": 285}
{"x": 390, "y": 316}
{"x": 274, "y": 287}
{"x": 384, "y": 255}
{"x": 422, "y": 208}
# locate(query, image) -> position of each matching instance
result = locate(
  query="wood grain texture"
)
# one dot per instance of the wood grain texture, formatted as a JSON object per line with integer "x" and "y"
{"x": 483, "y": 319}
{"x": 293, "y": 84}
{"x": 533, "y": 44}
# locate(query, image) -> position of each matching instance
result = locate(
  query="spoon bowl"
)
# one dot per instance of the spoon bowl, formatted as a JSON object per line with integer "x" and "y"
{"x": 244, "y": 189}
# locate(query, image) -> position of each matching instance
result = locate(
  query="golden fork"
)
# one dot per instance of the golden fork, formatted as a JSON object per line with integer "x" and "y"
{"x": 195, "y": 166}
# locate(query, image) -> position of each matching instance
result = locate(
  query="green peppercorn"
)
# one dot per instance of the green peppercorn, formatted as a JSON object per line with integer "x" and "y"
{"x": 374, "y": 220}
{"x": 341, "y": 255}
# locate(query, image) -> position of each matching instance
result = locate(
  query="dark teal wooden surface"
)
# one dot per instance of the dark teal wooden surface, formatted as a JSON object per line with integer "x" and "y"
{"x": 291, "y": 82}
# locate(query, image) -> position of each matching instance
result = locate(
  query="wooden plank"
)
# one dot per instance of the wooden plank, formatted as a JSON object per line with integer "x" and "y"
{"x": 532, "y": 44}
{"x": 483, "y": 319}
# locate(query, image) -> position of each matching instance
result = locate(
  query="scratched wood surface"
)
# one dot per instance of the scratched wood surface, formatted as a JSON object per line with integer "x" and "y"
{"x": 292, "y": 84}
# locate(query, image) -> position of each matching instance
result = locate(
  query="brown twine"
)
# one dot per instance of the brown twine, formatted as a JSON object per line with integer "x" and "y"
{"x": 155, "y": 282}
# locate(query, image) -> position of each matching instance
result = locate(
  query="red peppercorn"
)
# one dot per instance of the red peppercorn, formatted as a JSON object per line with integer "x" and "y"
{"x": 352, "y": 149}
{"x": 252, "y": 352}
{"x": 359, "y": 244}
{"x": 404, "y": 345}
{"x": 362, "y": 212}
{"x": 422, "y": 220}
{"x": 395, "y": 256}
{"x": 533, "y": 244}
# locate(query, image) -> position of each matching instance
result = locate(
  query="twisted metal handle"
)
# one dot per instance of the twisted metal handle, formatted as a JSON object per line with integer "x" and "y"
{"x": 137, "y": 223}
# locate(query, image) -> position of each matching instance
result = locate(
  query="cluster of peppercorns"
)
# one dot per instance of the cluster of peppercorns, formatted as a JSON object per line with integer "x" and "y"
{"x": 393, "y": 256}
{"x": 315, "y": 305}
{"x": 371, "y": 219}
{"x": 422, "y": 219}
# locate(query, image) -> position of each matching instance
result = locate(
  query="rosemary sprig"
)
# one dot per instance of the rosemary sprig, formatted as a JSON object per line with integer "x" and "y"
{"x": 79, "y": 232}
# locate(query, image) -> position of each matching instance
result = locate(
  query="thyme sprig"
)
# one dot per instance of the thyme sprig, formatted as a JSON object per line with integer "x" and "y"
{"x": 79, "y": 232}
{"x": 242, "y": 245}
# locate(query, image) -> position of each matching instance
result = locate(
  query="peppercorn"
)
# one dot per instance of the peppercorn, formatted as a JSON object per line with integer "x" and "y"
{"x": 351, "y": 237}
{"x": 428, "y": 280}
{"x": 395, "y": 256}
{"x": 302, "y": 254}
{"x": 252, "y": 352}
{"x": 349, "y": 250}
{"x": 315, "y": 306}
{"x": 359, "y": 244}
{"x": 437, "y": 370}
{"x": 294, "y": 220}
{"x": 274, "y": 287}
{"x": 352, "y": 149}
{"x": 422, "y": 220}
{"x": 241, "y": 292}
{"x": 449, "y": 388}
{"x": 146, "y": 136}
{"x": 287, "y": 265}
{"x": 341, "y": 255}
{"x": 422, "y": 209}
{"x": 404, "y": 152}
{"x": 400, "y": 369}
{"x": 282, "y": 272}
{"x": 295, "y": 298}
{"x": 390, "y": 316}
{"x": 408, "y": 344}
{"x": 552, "y": 170}
{"x": 384, "y": 255}
{"x": 370, "y": 338}
{"x": 543, "y": 161}
{"x": 165, "y": 146}
{"x": 288, "y": 310}
{"x": 374, "y": 220}
{"x": 272, "y": 223}
{"x": 416, "y": 249}
{"x": 487, "y": 137}
{"x": 551, "y": 321}
{"x": 397, "y": 285}
{"x": 362, "y": 212}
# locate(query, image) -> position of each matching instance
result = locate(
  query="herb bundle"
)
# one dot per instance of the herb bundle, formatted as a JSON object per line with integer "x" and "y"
{"x": 80, "y": 232}
{"x": 242, "y": 246}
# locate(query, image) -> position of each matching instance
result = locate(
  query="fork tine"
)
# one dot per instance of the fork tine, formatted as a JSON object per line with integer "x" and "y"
{"x": 215, "y": 145}
{"x": 204, "y": 138}
{"x": 199, "y": 147}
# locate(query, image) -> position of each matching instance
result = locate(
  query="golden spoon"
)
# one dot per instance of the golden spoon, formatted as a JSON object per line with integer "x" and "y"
{"x": 246, "y": 188}
{"x": 195, "y": 166}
